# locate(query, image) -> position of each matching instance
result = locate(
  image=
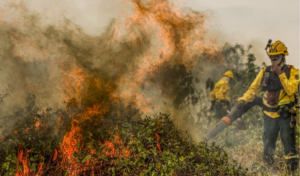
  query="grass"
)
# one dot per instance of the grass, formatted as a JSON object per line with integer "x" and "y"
{"x": 246, "y": 145}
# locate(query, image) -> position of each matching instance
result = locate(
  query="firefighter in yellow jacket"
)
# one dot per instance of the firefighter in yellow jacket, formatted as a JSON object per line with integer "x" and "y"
{"x": 220, "y": 100}
{"x": 280, "y": 83}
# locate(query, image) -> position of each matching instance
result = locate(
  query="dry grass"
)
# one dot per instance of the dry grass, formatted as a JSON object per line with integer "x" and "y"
{"x": 246, "y": 145}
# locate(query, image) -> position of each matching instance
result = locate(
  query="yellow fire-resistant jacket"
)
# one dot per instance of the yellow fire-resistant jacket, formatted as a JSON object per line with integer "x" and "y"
{"x": 290, "y": 87}
{"x": 220, "y": 91}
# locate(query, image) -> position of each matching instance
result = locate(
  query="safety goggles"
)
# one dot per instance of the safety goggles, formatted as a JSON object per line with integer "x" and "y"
{"x": 275, "y": 57}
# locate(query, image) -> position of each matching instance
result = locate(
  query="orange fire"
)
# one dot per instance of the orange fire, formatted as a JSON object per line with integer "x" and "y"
{"x": 37, "y": 125}
{"x": 22, "y": 161}
{"x": 73, "y": 82}
{"x": 55, "y": 155}
{"x": 110, "y": 149}
{"x": 157, "y": 144}
{"x": 73, "y": 142}
{"x": 177, "y": 37}
{"x": 70, "y": 146}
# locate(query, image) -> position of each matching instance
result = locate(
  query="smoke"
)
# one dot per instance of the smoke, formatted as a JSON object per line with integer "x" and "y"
{"x": 137, "y": 61}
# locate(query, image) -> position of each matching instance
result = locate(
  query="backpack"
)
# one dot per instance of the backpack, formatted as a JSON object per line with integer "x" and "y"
{"x": 287, "y": 71}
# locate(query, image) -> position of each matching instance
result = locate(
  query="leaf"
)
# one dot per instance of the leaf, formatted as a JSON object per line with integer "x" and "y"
{"x": 6, "y": 165}
{"x": 66, "y": 174}
{"x": 192, "y": 154}
{"x": 113, "y": 171}
{"x": 87, "y": 157}
{"x": 181, "y": 158}
{"x": 8, "y": 157}
{"x": 169, "y": 162}
{"x": 172, "y": 172}
{"x": 33, "y": 167}
{"x": 139, "y": 148}
{"x": 144, "y": 155}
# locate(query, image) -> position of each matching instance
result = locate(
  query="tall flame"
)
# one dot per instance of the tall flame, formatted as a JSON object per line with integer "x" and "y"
{"x": 120, "y": 66}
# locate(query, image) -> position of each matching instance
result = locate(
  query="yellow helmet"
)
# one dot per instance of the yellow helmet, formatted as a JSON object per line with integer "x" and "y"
{"x": 278, "y": 48}
{"x": 229, "y": 74}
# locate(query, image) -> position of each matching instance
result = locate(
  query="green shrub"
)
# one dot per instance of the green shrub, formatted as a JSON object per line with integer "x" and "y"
{"x": 152, "y": 146}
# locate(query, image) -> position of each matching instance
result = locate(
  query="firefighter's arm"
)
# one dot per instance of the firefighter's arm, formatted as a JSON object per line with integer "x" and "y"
{"x": 254, "y": 89}
{"x": 290, "y": 86}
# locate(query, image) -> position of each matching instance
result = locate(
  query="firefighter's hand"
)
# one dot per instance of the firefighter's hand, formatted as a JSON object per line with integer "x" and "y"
{"x": 225, "y": 107}
{"x": 276, "y": 69}
{"x": 241, "y": 104}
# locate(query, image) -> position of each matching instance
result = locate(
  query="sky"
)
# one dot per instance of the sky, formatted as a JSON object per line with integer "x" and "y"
{"x": 234, "y": 21}
{"x": 255, "y": 22}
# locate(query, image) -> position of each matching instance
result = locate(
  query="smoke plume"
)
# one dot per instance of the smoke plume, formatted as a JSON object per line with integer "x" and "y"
{"x": 139, "y": 61}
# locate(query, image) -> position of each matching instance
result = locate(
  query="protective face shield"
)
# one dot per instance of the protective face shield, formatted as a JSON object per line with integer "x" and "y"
{"x": 277, "y": 52}
{"x": 276, "y": 59}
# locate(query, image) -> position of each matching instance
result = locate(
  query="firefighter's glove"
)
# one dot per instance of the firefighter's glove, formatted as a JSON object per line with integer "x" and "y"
{"x": 240, "y": 104}
{"x": 212, "y": 107}
{"x": 225, "y": 107}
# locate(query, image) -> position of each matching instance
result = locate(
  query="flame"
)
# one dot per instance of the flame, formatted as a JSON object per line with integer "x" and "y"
{"x": 73, "y": 140}
{"x": 55, "y": 155}
{"x": 73, "y": 82}
{"x": 157, "y": 144}
{"x": 110, "y": 149}
{"x": 68, "y": 148}
{"x": 22, "y": 160}
{"x": 179, "y": 38}
{"x": 37, "y": 125}
{"x": 69, "y": 145}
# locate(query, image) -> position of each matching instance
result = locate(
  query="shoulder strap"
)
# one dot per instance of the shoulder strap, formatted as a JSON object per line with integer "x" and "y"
{"x": 288, "y": 71}
{"x": 268, "y": 69}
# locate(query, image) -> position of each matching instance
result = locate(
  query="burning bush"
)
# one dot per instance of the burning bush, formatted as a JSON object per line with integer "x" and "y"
{"x": 152, "y": 146}
{"x": 147, "y": 60}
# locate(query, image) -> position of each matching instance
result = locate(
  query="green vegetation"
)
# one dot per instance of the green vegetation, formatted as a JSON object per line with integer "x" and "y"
{"x": 243, "y": 139}
{"x": 107, "y": 144}
{"x": 152, "y": 146}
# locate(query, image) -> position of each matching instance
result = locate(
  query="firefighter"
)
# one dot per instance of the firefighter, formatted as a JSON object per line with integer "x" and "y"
{"x": 220, "y": 100}
{"x": 280, "y": 83}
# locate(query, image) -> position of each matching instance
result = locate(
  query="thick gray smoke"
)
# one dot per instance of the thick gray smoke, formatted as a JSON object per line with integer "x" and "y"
{"x": 140, "y": 59}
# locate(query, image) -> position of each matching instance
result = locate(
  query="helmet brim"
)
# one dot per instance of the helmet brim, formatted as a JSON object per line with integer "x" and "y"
{"x": 273, "y": 54}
